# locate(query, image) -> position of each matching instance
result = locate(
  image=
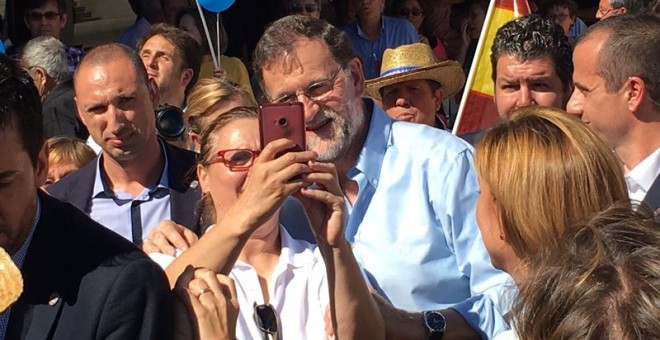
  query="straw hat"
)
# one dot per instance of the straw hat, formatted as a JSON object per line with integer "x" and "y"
{"x": 11, "y": 281}
{"x": 413, "y": 62}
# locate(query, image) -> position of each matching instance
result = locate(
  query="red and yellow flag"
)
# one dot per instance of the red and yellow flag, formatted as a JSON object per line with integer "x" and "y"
{"x": 477, "y": 110}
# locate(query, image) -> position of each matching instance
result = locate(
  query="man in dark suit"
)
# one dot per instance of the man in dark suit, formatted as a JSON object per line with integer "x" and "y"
{"x": 138, "y": 180}
{"x": 81, "y": 281}
{"x": 617, "y": 92}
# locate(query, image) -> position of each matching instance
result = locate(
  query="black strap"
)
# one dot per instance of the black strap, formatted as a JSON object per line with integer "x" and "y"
{"x": 136, "y": 223}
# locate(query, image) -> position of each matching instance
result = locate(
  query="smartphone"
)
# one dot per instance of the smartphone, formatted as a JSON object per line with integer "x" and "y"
{"x": 283, "y": 120}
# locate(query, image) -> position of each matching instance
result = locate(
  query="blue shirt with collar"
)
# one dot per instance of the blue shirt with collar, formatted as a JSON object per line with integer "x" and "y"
{"x": 19, "y": 258}
{"x": 394, "y": 32}
{"x": 413, "y": 225}
{"x": 112, "y": 209}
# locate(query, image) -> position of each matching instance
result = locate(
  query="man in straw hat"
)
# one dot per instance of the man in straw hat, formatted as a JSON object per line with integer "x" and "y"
{"x": 413, "y": 84}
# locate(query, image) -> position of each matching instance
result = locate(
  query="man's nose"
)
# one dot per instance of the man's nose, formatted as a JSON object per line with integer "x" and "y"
{"x": 402, "y": 102}
{"x": 524, "y": 97}
{"x": 574, "y": 105}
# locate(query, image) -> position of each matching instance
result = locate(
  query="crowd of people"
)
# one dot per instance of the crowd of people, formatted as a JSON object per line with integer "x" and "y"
{"x": 139, "y": 201}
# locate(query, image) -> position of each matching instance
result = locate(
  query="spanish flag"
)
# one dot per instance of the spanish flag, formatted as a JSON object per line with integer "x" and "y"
{"x": 477, "y": 109}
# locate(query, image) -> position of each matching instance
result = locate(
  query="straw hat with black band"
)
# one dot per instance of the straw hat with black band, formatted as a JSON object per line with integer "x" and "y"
{"x": 414, "y": 62}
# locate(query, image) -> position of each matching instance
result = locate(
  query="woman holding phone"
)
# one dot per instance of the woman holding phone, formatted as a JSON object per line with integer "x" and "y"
{"x": 283, "y": 285}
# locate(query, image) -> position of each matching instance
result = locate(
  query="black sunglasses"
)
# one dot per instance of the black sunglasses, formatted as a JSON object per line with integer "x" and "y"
{"x": 266, "y": 319}
{"x": 404, "y": 12}
{"x": 37, "y": 16}
{"x": 298, "y": 8}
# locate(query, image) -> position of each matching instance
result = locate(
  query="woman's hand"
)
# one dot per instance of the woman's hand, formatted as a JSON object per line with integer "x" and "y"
{"x": 271, "y": 180}
{"x": 209, "y": 300}
{"x": 167, "y": 237}
{"x": 324, "y": 204}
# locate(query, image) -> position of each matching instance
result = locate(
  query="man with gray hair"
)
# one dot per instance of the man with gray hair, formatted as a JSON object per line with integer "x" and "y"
{"x": 45, "y": 59}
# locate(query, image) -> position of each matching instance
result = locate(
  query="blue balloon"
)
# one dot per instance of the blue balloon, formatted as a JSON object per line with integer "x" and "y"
{"x": 215, "y": 5}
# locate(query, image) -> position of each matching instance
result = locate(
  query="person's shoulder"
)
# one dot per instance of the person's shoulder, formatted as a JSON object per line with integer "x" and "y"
{"x": 398, "y": 23}
{"x": 76, "y": 180}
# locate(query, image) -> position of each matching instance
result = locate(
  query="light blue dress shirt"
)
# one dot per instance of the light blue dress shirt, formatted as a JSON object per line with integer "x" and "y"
{"x": 394, "y": 32}
{"x": 19, "y": 258}
{"x": 413, "y": 225}
{"x": 112, "y": 209}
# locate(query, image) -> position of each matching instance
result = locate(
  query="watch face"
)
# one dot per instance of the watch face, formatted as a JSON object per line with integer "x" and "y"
{"x": 435, "y": 321}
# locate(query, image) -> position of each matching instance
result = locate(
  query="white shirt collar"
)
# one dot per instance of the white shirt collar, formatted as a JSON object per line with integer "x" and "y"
{"x": 641, "y": 178}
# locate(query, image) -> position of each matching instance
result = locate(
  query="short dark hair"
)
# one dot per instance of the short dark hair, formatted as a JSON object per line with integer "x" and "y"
{"x": 105, "y": 53}
{"x": 20, "y": 107}
{"x": 34, "y": 4}
{"x": 185, "y": 44}
{"x": 281, "y": 36}
{"x": 631, "y": 48}
{"x": 532, "y": 37}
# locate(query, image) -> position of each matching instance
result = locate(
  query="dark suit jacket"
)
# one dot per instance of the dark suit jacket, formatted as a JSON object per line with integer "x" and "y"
{"x": 60, "y": 115}
{"x": 83, "y": 281}
{"x": 77, "y": 187}
{"x": 652, "y": 199}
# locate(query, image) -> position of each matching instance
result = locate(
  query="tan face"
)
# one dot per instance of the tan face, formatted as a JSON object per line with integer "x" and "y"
{"x": 333, "y": 123}
{"x": 224, "y": 185}
{"x": 164, "y": 64}
{"x": 117, "y": 107}
{"x": 490, "y": 226}
{"x": 525, "y": 83}
{"x": 604, "y": 111}
{"x": 562, "y": 17}
{"x": 19, "y": 181}
{"x": 370, "y": 8}
{"x": 45, "y": 21}
{"x": 412, "y": 10}
{"x": 412, "y": 101}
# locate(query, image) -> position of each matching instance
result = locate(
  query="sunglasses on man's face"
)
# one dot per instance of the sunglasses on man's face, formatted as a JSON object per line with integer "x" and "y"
{"x": 266, "y": 319}
{"x": 404, "y": 12}
{"x": 299, "y": 8}
{"x": 37, "y": 16}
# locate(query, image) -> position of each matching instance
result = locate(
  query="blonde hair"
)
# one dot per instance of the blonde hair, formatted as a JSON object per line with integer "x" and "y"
{"x": 208, "y": 96}
{"x": 69, "y": 150}
{"x": 546, "y": 171}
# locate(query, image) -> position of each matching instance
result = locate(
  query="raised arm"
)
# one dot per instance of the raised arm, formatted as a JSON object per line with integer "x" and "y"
{"x": 354, "y": 312}
{"x": 269, "y": 182}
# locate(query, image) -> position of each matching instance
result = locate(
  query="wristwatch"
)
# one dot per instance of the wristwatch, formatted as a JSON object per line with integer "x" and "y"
{"x": 435, "y": 323}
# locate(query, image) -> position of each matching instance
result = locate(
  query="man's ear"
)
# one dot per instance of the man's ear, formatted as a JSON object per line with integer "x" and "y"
{"x": 187, "y": 76}
{"x": 437, "y": 98}
{"x": 357, "y": 76}
{"x": 41, "y": 78}
{"x": 63, "y": 19}
{"x": 635, "y": 92}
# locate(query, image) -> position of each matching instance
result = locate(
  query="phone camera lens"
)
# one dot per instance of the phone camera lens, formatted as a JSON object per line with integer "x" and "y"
{"x": 282, "y": 122}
